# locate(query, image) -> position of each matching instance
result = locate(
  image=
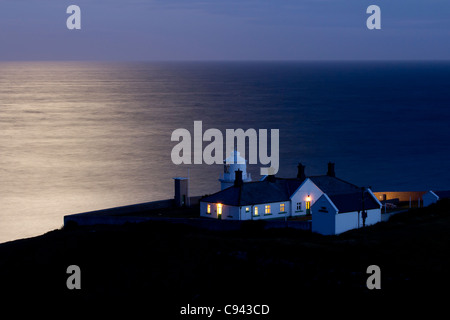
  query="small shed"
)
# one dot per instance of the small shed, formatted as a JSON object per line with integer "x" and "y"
{"x": 433, "y": 196}
{"x": 334, "y": 214}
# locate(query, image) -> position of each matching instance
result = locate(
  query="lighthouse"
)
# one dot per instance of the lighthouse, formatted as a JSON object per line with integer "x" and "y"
{"x": 231, "y": 164}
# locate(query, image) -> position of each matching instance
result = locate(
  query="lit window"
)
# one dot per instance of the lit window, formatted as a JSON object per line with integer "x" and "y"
{"x": 299, "y": 206}
{"x": 247, "y": 209}
{"x": 208, "y": 209}
{"x": 282, "y": 207}
{"x": 308, "y": 205}
{"x": 219, "y": 208}
{"x": 256, "y": 211}
{"x": 267, "y": 209}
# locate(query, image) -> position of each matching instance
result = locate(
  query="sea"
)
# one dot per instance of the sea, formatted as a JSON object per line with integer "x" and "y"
{"x": 83, "y": 136}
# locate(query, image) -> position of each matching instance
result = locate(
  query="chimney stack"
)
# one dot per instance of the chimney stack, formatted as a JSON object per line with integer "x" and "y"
{"x": 238, "y": 178}
{"x": 301, "y": 171}
{"x": 181, "y": 192}
{"x": 331, "y": 172}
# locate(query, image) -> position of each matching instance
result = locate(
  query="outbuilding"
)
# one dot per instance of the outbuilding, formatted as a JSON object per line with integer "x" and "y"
{"x": 335, "y": 214}
{"x": 433, "y": 196}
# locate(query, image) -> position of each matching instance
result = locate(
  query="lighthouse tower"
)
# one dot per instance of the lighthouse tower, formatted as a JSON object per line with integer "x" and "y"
{"x": 231, "y": 164}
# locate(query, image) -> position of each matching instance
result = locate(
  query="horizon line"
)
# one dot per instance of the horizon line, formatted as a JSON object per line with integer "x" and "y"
{"x": 230, "y": 60}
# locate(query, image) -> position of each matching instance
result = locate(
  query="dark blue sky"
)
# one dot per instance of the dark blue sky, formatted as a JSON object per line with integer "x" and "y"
{"x": 224, "y": 30}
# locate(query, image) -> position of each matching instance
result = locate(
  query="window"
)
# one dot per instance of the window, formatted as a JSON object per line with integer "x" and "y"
{"x": 247, "y": 209}
{"x": 208, "y": 209}
{"x": 219, "y": 208}
{"x": 282, "y": 207}
{"x": 267, "y": 209}
{"x": 299, "y": 206}
{"x": 323, "y": 209}
{"x": 256, "y": 211}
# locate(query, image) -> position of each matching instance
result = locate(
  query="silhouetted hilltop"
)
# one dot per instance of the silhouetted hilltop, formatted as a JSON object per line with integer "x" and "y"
{"x": 164, "y": 266}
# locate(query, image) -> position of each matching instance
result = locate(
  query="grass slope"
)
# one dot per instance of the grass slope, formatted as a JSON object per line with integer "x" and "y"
{"x": 160, "y": 267}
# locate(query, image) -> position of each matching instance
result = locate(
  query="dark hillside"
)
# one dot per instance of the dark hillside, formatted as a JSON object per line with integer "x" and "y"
{"x": 163, "y": 266}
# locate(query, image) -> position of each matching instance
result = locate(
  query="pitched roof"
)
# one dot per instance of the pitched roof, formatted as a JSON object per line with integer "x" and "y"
{"x": 354, "y": 202}
{"x": 281, "y": 189}
{"x": 333, "y": 185}
{"x": 289, "y": 186}
{"x": 328, "y": 185}
{"x": 249, "y": 193}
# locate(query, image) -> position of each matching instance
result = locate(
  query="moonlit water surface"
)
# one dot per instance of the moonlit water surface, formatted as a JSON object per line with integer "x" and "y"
{"x": 77, "y": 137}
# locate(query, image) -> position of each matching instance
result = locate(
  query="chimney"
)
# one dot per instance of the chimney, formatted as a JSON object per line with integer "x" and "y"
{"x": 238, "y": 178}
{"x": 331, "y": 172}
{"x": 301, "y": 171}
{"x": 181, "y": 192}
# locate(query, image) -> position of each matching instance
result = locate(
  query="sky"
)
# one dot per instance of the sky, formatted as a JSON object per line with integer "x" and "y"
{"x": 147, "y": 30}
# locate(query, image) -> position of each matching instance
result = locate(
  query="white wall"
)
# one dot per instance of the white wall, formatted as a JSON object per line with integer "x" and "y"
{"x": 274, "y": 209}
{"x": 239, "y": 213}
{"x": 323, "y": 217}
{"x": 349, "y": 220}
{"x": 228, "y": 212}
{"x": 203, "y": 208}
{"x": 307, "y": 188}
{"x": 331, "y": 222}
{"x": 429, "y": 198}
{"x": 373, "y": 217}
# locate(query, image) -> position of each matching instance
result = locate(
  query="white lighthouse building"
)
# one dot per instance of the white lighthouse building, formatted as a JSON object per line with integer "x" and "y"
{"x": 231, "y": 164}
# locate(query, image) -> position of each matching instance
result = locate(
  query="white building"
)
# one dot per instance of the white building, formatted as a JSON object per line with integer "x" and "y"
{"x": 232, "y": 164}
{"x": 339, "y": 213}
{"x": 433, "y": 196}
{"x": 335, "y": 205}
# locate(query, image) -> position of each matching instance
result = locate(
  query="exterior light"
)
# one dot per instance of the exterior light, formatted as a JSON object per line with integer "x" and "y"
{"x": 308, "y": 205}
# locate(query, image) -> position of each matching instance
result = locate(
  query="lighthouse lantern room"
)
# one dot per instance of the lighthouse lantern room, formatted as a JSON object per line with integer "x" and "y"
{"x": 231, "y": 164}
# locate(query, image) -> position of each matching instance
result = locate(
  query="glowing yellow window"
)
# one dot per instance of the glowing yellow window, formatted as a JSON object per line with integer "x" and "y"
{"x": 267, "y": 209}
{"x": 282, "y": 207}
{"x": 256, "y": 211}
{"x": 219, "y": 208}
{"x": 208, "y": 209}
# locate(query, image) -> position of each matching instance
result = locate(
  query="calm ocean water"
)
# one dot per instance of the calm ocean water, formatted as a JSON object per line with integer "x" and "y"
{"x": 76, "y": 137}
